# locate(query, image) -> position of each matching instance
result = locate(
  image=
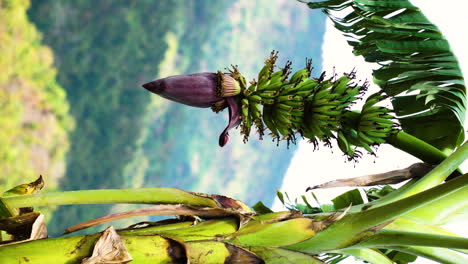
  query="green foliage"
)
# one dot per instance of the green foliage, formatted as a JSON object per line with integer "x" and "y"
{"x": 399, "y": 257}
{"x": 347, "y": 199}
{"x": 34, "y": 112}
{"x": 104, "y": 51}
{"x": 414, "y": 57}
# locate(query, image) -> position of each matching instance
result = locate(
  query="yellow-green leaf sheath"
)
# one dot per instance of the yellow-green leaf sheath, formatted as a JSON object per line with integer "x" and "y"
{"x": 213, "y": 252}
{"x": 273, "y": 255}
{"x": 71, "y": 250}
{"x": 260, "y": 234}
{"x": 205, "y": 230}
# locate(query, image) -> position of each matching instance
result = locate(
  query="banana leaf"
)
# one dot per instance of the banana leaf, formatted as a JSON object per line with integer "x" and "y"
{"x": 414, "y": 57}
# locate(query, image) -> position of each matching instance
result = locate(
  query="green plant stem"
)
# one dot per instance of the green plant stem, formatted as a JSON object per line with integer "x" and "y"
{"x": 451, "y": 208}
{"x": 387, "y": 238}
{"x": 416, "y": 147}
{"x": 366, "y": 254}
{"x": 440, "y": 255}
{"x": 133, "y": 196}
{"x": 433, "y": 178}
{"x": 147, "y": 249}
{"x": 441, "y": 172}
{"x": 404, "y": 224}
{"x": 407, "y": 143}
{"x": 355, "y": 226}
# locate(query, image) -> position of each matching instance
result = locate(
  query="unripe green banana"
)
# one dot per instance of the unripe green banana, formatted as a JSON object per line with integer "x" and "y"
{"x": 271, "y": 86}
{"x": 370, "y": 102}
{"x": 367, "y": 147}
{"x": 340, "y": 85}
{"x": 368, "y": 114}
{"x": 294, "y": 103}
{"x": 276, "y": 76}
{"x": 268, "y": 119}
{"x": 245, "y": 108}
{"x": 299, "y": 76}
{"x": 255, "y": 110}
{"x": 364, "y": 138}
{"x": 285, "y": 88}
{"x": 343, "y": 142}
{"x": 381, "y": 121}
{"x": 377, "y": 134}
{"x": 323, "y": 117}
{"x": 268, "y": 95}
{"x": 251, "y": 89}
{"x": 265, "y": 73}
{"x": 323, "y": 108}
{"x": 296, "y": 112}
{"x": 246, "y": 126}
{"x": 284, "y": 98}
{"x": 324, "y": 94}
{"x": 282, "y": 117}
{"x": 303, "y": 93}
{"x": 284, "y": 107}
{"x": 255, "y": 98}
{"x": 305, "y": 86}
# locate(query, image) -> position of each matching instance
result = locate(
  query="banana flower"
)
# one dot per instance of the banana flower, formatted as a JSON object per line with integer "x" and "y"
{"x": 207, "y": 89}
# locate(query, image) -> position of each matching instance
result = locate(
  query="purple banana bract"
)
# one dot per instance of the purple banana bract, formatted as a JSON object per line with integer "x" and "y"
{"x": 207, "y": 89}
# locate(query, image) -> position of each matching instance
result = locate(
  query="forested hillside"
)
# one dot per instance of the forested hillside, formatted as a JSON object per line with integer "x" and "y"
{"x": 104, "y": 50}
{"x": 127, "y": 137}
{"x": 34, "y": 118}
{"x": 186, "y": 154}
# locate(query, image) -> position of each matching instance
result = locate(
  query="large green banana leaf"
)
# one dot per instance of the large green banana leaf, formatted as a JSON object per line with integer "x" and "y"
{"x": 418, "y": 69}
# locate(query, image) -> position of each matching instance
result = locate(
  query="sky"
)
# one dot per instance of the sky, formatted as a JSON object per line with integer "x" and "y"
{"x": 309, "y": 168}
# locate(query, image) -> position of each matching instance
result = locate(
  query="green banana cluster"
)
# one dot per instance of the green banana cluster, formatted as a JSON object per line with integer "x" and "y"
{"x": 372, "y": 126}
{"x": 315, "y": 108}
{"x": 327, "y": 106}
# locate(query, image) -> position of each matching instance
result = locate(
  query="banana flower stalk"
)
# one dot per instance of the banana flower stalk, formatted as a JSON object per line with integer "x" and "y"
{"x": 207, "y": 89}
{"x": 287, "y": 104}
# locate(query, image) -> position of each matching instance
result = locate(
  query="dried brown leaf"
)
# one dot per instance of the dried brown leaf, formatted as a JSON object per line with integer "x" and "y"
{"x": 318, "y": 226}
{"x": 164, "y": 209}
{"x": 416, "y": 170}
{"x": 39, "y": 228}
{"x": 109, "y": 249}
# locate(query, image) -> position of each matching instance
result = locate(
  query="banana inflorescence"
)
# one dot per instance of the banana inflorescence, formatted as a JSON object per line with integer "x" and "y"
{"x": 315, "y": 108}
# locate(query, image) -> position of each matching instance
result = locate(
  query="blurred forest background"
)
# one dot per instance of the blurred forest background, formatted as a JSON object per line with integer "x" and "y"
{"x": 72, "y": 109}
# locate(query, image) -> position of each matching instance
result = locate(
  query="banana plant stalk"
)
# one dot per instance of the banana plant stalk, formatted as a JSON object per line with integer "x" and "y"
{"x": 290, "y": 105}
{"x": 219, "y": 229}
{"x": 241, "y": 236}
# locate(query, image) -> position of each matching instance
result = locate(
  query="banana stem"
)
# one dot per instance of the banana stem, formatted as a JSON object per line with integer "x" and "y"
{"x": 131, "y": 196}
{"x": 147, "y": 249}
{"x": 434, "y": 177}
{"x": 441, "y": 172}
{"x": 379, "y": 215}
{"x": 356, "y": 226}
{"x": 416, "y": 147}
{"x": 387, "y": 238}
{"x": 407, "y": 143}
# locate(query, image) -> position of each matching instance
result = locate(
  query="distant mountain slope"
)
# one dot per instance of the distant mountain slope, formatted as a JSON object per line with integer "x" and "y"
{"x": 34, "y": 118}
{"x": 104, "y": 50}
{"x": 126, "y": 137}
{"x": 181, "y": 142}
